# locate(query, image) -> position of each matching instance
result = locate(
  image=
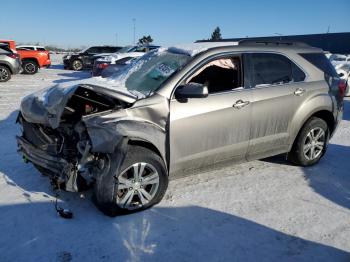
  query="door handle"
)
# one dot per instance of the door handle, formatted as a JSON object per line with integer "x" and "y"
{"x": 299, "y": 92}
{"x": 240, "y": 103}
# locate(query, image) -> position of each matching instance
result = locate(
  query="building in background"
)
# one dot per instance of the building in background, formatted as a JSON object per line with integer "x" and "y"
{"x": 336, "y": 43}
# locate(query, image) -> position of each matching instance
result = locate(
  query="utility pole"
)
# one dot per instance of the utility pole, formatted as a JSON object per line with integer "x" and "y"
{"x": 116, "y": 39}
{"x": 134, "y": 26}
{"x": 328, "y": 29}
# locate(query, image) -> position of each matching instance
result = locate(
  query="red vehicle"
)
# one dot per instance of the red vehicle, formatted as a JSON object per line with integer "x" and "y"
{"x": 32, "y": 60}
{"x": 11, "y": 44}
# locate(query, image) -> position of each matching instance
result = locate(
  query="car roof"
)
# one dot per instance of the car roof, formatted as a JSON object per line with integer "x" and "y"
{"x": 193, "y": 49}
{"x": 36, "y": 46}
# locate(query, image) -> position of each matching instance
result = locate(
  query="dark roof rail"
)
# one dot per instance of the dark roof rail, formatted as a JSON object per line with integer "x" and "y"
{"x": 272, "y": 42}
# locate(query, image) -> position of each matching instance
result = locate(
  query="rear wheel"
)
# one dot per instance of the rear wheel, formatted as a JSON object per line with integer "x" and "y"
{"x": 77, "y": 65}
{"x": 311, "y": 143}
{"x": 5, "y": 74}
{"x": 140, "y": 184}
{"x": 30, "y": 67}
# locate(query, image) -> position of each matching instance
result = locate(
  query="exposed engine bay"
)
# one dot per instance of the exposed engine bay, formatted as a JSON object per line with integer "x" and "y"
{"x": 64, "y": 152}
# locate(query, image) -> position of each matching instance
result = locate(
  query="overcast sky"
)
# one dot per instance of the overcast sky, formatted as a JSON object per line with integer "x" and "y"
{"x": 76, "y": 23}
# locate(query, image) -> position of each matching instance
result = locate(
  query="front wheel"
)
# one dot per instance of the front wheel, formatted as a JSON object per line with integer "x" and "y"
{"x": 140, "y": 183}
{"x": 77, "y": 65}
{"x": 311, "y": 143}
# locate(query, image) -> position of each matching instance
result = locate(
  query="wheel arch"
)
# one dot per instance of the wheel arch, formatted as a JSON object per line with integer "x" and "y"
{"x": 139, "y": 133}
{"x": 323, "y": 114}
{"x": 33, "y": 59}
{"x": 7, "y": 66}
{"x": 133, "y": 141}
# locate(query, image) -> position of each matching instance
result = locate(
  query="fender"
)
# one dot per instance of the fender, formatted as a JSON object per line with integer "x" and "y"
{"x": 145, "y": 122}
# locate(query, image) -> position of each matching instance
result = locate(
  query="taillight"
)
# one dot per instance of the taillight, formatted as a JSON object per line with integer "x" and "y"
{"x": 14, "y": 56}
{"x": 103, "y": 65}
{"x": 342, "y": 87}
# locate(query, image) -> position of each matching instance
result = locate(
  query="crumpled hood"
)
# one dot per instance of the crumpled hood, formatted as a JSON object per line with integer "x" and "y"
{"x": 46, "y": 106}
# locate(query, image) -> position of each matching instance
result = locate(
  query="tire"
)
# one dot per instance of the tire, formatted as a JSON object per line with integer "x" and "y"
{"x": 30, "y": 67}
{"x": 308, "y": 149}
{"x": 5, "y": 74}
{"x": 111, "y": 191}
{"x": 77, "y": 65}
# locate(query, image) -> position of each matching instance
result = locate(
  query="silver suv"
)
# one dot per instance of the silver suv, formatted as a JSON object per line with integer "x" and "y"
{"x": 178, "y": 109}
{"x": 9, "y": 63}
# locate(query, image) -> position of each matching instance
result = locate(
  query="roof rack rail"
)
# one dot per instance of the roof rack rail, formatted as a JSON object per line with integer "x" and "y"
{"x": 271, "y": 42}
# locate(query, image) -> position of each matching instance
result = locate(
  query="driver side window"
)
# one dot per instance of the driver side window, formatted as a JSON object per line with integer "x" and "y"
{"x": 219, "y": 75}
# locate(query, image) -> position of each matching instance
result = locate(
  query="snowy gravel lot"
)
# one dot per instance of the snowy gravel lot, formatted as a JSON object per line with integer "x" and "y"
{"x": 264, "y": 210}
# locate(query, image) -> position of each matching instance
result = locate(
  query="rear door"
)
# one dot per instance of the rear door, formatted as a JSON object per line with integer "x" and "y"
{"x": 277, "y": 86}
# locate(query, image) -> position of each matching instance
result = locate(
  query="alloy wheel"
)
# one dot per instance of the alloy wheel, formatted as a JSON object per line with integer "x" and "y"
{"x": 77, "y": 65}
{"x": 137, "y": 186}
{"x": 3, "y": 74}
{"x": 314, "y": 143}
{"x": 30, "y": 68}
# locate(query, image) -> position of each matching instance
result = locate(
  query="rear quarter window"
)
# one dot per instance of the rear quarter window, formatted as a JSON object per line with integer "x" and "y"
{"x": 321, "y": 62}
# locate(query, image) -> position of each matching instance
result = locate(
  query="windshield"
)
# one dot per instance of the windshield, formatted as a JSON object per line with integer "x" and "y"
{"x": 149, "y": 72}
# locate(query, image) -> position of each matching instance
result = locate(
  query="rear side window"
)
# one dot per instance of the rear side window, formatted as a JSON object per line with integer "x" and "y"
{"x": 106, "y": 49}
{"x": 271, "y": 69}
{"x": 41, "y": 49}
{"x": 114, "y": 49}
{"x": 321, "y": 62}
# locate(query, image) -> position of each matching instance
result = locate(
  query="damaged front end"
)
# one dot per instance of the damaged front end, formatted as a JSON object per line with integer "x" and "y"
{"x": 55, "y": 137}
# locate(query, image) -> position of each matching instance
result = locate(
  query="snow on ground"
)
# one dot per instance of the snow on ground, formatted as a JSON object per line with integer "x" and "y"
{"x": 264, "y": 210}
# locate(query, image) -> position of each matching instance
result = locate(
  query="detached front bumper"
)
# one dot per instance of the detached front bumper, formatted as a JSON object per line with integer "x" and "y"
{"x": 41, "y": 158}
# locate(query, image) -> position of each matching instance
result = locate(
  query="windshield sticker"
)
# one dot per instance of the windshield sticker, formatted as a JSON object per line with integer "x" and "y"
{"x": 161, "y": 71}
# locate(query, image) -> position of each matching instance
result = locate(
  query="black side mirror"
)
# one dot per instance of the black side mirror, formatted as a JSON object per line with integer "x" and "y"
{"x": 191, "y": 90}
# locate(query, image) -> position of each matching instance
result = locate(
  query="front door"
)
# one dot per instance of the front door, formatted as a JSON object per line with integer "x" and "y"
{"x": 212, "y": 129}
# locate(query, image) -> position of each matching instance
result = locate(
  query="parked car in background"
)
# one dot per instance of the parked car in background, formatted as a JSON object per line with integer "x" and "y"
{"x": 10, "y": 43}
{"x": 31, "y": 60}
{"x": 343, "y": 71}
{"x": 86, "y": 57}
{"x": 31, "y": 47}
{"x": 10, "y": 63}
{"x": 337, "y": 59}
{"x": 116, "y": 62}
{"x": 122, "y": 57}
{"x": 179, "y": 109}
{"x": 112, "y": 69}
